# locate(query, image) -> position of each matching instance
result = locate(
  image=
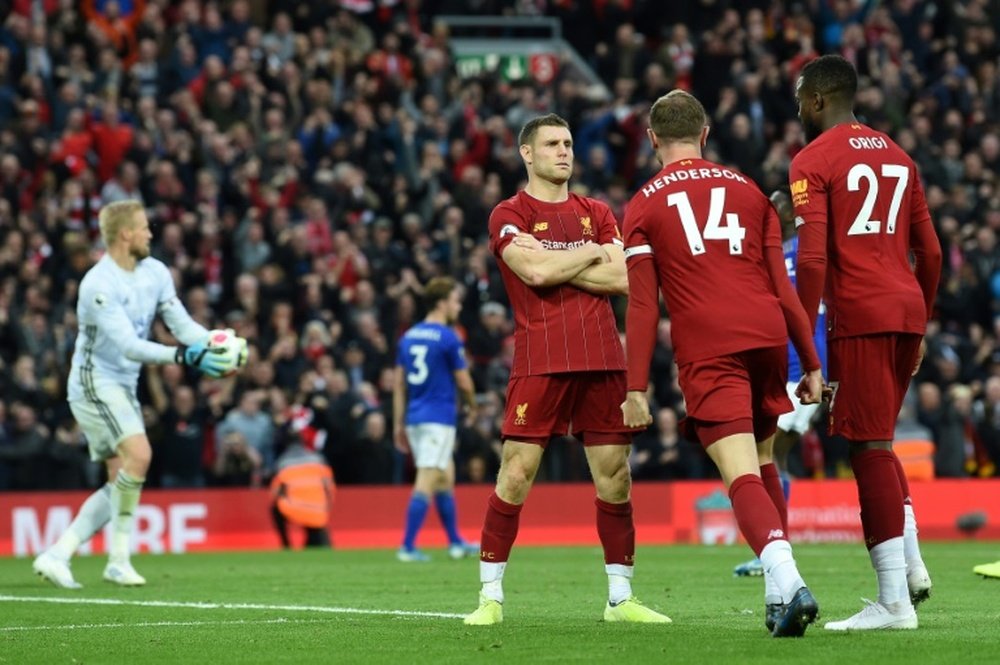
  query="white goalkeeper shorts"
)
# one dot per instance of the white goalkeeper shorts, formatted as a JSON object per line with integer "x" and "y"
{"x": 799, "y": 419}
{"x": 432, "y": 445}
{"x": 107, "y": 416}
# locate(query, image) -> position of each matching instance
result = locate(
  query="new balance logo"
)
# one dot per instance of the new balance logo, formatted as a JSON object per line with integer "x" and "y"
{"x": 776, "y": 534}
{"x": 540, "y": 226}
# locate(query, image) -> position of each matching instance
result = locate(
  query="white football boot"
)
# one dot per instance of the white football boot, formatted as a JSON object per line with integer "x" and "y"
{"x": 50, "y": 567}
{"x": 123, "y": 574}
{"x": 919, "y": 584}
{"x": 876, "y": 616}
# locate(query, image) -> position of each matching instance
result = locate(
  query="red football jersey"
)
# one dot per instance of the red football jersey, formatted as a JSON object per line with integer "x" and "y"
{"x": 859, "y": 193}
{"x": 557, "y": 328}
{"x": 706, "y": 227}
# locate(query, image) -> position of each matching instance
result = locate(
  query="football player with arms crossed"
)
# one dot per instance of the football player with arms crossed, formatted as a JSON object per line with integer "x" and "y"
{"x": 119, "y": 298}
{"x": 711, "y": 242}
{"x": 862, "y": 211}
{"x": 430, "y": 366}
{"x": 560, "y": 256}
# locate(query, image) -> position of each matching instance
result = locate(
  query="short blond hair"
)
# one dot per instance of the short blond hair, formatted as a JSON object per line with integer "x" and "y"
{"x": 115, "y": 216}
{"x": 677, "y": 116}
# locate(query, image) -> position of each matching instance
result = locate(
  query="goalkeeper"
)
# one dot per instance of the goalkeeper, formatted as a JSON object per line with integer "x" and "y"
{"x": 118, "y": 300}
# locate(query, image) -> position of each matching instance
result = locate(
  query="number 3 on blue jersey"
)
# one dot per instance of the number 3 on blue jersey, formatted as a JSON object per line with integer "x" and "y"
{"x": 420, "y": 370}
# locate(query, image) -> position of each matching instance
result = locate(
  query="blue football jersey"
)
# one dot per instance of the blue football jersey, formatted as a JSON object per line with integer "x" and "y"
{"x": 429, "y": 354}
{"x": 791, "y": 247}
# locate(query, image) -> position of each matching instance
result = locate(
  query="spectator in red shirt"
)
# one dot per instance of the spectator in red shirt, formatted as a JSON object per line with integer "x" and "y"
{"x": 389, "y": 65}
{"x": 75, "y": 143}
{"x": 112, "y": 141}
{"x": 318, "y": 229}
{"x": 117, "y": 27}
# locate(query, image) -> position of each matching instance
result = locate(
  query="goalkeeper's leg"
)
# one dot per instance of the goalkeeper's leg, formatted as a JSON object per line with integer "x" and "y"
{"x": 53, "y": 563}
{"x": 135, "y": 453}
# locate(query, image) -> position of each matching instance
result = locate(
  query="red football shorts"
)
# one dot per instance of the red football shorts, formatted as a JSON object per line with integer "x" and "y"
{"x": 739, "y": 393}
{"x": 584, "y": 404}
{"x": 869, "y": 375}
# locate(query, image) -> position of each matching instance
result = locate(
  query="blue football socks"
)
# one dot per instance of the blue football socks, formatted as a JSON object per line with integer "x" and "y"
{"x": 415, "y": 514}
{"x": 445, "y": 503}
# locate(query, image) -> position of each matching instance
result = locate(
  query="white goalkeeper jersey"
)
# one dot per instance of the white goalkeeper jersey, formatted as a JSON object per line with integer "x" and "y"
{"x": 115, "y": 310}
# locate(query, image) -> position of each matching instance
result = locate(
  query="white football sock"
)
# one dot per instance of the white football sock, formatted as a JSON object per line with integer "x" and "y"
{"x": 889, "y": 563}
{"x": 772, "y": 594}
{"x": 619, "y": 582}
{"x": 780, "y": 565}
{"x": 911, "y": 546}
{"x": 124, "y": 499}
{"x": 491, "y": 575}
{"x": 93, "y": 515}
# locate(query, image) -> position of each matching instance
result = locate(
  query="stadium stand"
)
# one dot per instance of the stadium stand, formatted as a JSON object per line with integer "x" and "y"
{"x": 307, "y": 165}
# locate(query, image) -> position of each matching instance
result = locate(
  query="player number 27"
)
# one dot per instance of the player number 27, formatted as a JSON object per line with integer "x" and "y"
{"x": 420, "y": 370}
{"x": 732, "y": 232}
{"x": 863, "y": 223}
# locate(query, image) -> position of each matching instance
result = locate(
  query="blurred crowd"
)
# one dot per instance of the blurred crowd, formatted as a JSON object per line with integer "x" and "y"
{"x": 306, "y": 166}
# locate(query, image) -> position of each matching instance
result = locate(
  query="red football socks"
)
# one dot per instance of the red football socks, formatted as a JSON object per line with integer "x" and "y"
{"x": 616, "y": 531}
{"x": 772, "y": 483}
{"x": 880, "y": 495}
{"x": 755, "y": 512}
{"x": 499, "y": 530}
{"x": 903, "y": 482}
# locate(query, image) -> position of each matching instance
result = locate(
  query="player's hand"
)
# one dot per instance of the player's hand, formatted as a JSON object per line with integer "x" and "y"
{"x": 810, "y": 389}
{"x": 635, "y": 410}
{"x": 783, "y": 204}
{"x": 399, "y": 440}
{"x": 210, "y": 361}
{"x": 920, "y": 357}
{"x": 528, "y": 241}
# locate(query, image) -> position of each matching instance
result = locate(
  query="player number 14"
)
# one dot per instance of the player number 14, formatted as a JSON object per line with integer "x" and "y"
{"x": 732, "y": 232}
{"x": 863, "y": 223}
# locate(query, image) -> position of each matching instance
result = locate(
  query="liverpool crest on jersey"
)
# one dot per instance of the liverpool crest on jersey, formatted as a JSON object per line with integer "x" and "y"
{"x": 522, "y": 413}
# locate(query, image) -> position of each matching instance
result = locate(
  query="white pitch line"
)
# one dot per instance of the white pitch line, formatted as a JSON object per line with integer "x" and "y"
{"x": 156, "y": 624}
{"x": 229, "y": 606}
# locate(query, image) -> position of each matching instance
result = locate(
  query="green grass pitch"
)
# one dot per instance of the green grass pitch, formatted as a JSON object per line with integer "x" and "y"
{"x": 364, "y": 607}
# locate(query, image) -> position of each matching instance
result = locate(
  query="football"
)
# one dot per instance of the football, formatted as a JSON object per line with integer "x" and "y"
{"x": 236, "y": 348}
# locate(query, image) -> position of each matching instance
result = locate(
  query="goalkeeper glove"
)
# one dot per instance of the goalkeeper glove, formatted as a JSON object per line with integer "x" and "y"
{"x": 210, "y": 361}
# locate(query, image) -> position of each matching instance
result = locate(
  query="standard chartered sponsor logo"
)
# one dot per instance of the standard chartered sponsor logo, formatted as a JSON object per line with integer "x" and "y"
{"x": 559, "y": 244}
